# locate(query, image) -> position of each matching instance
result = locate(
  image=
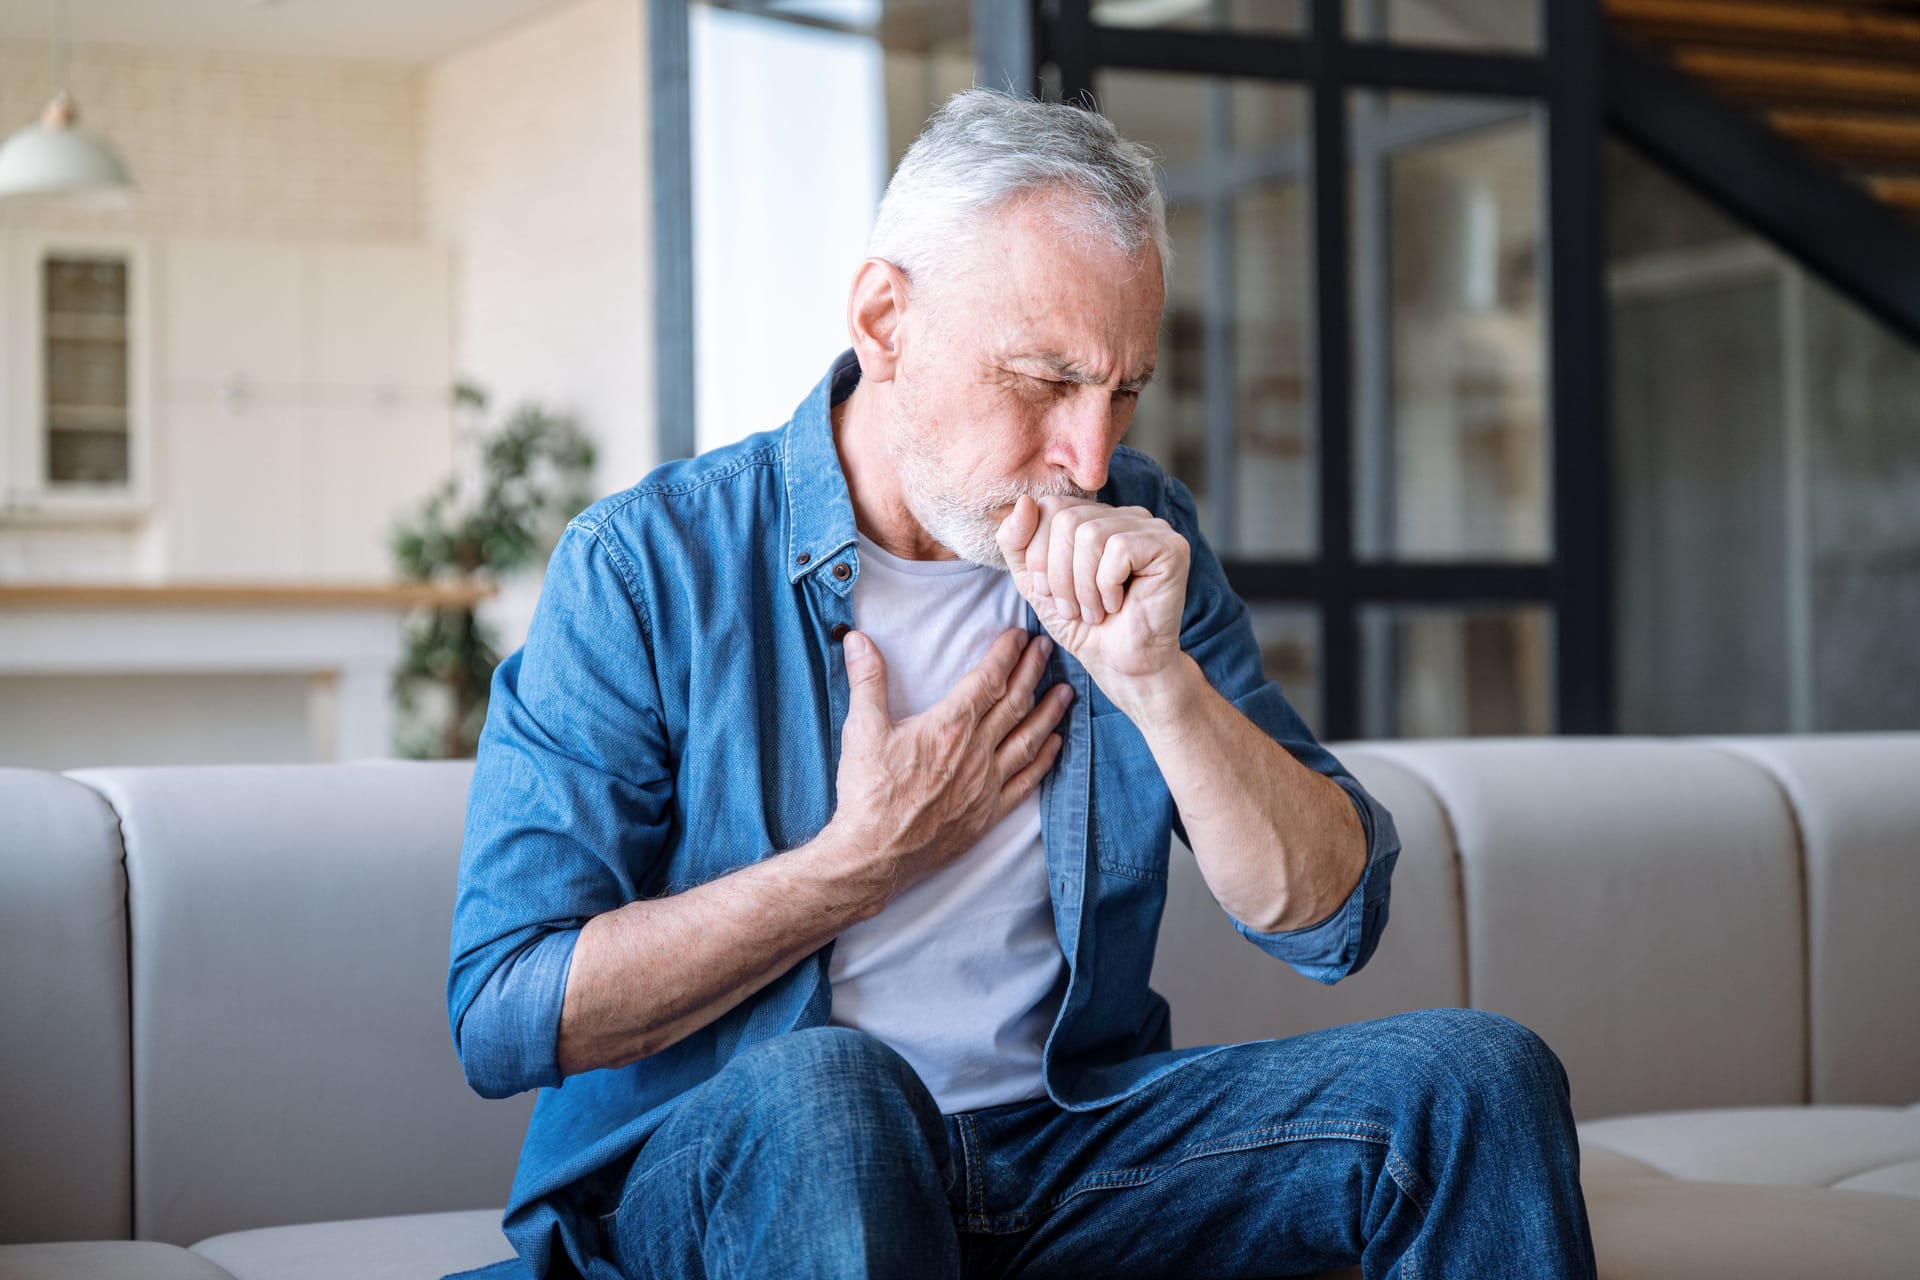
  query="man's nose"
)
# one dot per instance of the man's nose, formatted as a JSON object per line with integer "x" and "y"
{"x": 1081, "y": 445}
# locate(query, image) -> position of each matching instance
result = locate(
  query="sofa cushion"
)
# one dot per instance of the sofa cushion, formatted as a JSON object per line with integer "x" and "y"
{"x": 65, "y": 1124}
{"x": 1776, "y": 1146}
{"x": 1638, "y": 904}
{"x": 1667, "y": 1229}
{"x": 403, "y": 1248}
{"x": 1859, "y": 818}
{"x": 292, "y": 1060}
{"x": 1766, "y": 1193}
{"x": 1890, "y": 1179}
{"x": 1224, "y": 990}
{"x": 105, "y": 1260}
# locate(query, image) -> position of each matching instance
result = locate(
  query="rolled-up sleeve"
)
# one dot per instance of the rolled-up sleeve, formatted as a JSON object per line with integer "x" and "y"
{"x": 1218, "y": 633}
{"x": 567, "y": 813}
{"x": 507, "y": 1040}
{"x": 1344, "y": 941}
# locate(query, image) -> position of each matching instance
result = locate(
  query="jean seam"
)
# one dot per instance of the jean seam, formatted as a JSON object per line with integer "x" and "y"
{"x": 1407, "y": 1180}
{"x": 970, "y": 1146}
{"x": 1238, "y": 1141}
{"x": 1241, "y": 1140}
{"x": 634, "y": 1184}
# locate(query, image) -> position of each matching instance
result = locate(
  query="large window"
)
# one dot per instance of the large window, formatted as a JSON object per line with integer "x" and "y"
{"x": 1461, "y": 456}
{"x": 775, "y": 125}
{"x": 1386, "y": 399}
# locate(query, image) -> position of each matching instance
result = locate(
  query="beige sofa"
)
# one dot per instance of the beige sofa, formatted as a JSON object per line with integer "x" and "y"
{"x": 225, "y": 1052}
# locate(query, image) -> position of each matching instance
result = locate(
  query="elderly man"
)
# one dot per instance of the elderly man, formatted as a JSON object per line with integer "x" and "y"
{"x": 819, "y": 834}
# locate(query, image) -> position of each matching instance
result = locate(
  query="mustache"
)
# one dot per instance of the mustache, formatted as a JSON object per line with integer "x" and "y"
{"x": 1006, "y": 495}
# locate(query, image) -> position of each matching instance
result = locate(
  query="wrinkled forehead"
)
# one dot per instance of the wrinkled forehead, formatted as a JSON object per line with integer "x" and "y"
{"x": 1036, "y": 281}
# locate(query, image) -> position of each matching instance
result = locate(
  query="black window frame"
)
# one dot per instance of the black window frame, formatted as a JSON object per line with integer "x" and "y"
{"x": 1565, "y": 79}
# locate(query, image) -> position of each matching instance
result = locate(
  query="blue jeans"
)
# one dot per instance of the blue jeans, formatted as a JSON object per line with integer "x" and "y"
{"x": 1428, "y": 1144}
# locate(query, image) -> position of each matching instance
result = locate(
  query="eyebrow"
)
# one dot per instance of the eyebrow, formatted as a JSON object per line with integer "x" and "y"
{"x": 1073, "y": 371}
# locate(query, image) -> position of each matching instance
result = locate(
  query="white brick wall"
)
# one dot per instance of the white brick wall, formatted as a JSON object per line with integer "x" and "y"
{"x": 242, "y": 143}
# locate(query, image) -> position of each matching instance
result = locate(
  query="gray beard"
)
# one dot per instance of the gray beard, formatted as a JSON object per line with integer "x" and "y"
{"x": 963, "y": 523}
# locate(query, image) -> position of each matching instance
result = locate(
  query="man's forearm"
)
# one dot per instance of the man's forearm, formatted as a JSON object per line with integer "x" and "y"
{"x": 1280, "y": 845}
{"x": 652, "y": 972}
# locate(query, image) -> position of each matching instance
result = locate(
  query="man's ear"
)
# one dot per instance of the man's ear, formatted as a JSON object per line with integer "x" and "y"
{"x": 876, "y": 306}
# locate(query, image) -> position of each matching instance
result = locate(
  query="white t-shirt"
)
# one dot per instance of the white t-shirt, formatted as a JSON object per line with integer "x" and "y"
{"x": 962, "y": 972}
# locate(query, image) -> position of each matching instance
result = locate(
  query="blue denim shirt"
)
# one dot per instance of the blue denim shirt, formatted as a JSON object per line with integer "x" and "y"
{"x": 675, "y": 714}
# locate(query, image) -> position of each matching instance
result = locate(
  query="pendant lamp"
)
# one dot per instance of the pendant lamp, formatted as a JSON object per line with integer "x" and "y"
{"x": 51, "y": 156}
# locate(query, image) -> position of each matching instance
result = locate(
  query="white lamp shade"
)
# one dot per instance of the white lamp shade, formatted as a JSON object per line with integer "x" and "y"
{"x": 43, "y": 158}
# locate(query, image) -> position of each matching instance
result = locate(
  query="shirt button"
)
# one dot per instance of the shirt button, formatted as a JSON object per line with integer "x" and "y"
{"x": 839, "y": 631}
{"x": 802, "y": 558}
{"x": 842, "y": 572}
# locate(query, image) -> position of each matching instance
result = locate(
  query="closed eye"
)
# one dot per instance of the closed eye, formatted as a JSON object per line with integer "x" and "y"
{"x": 1058, "y": 386}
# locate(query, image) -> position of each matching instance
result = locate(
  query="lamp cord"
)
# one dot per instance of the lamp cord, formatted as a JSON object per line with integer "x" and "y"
{"x": 60, "y": 46}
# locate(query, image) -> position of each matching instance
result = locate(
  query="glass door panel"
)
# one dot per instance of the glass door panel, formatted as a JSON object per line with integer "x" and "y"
{"x": 1450, "y": 327}
{"x": 1230, "y": 411}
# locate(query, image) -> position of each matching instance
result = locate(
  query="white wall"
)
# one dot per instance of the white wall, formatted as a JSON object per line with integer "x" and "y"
{"x": 536, "y": 172}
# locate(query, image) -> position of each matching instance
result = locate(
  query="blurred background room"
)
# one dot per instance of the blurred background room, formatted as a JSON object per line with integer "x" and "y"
{"x": 1538, "y": 368}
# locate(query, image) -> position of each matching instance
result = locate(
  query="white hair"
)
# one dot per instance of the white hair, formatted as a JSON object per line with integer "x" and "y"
{"x": 985, "y": 149}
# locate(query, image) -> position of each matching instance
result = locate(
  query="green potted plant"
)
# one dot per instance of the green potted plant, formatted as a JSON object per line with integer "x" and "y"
{"x": 501, "y": 512}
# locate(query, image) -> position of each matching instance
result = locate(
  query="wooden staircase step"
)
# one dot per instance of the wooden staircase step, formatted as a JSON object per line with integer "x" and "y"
{"x": 1902, "y": 193}
{"x": 1782, "y": 79}
{"x": 1852, "y": 137}
{"x": 1802, "y": 27}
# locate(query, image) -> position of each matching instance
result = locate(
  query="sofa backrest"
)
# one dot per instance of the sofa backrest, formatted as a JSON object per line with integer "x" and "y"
{"x": 291, "y": 1057}
{"x": 65, "y": 1049}
{"x": 1856, "y": 809}
{"x": 1686, "y": 923}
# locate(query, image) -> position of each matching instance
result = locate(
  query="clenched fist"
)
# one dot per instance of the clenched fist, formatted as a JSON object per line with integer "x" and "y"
{"x": 1108, "y": 583}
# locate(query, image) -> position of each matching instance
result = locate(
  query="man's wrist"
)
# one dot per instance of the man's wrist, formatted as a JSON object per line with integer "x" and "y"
{"x": 1166, "y": 698}
{"x": 847, "y": 869}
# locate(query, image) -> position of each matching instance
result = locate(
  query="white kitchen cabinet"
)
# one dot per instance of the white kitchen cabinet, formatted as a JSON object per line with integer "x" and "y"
{"x": 305, "y": 398}
{"x": 233, "y": 318}
{"x": 380, "y": 321}
{"x": 236, "y": 501}
{"x": 364, "y": 468}
{"x": 269, "y": 407}
{"x": 77, "y": 399}
{"x": 272, "y": 491}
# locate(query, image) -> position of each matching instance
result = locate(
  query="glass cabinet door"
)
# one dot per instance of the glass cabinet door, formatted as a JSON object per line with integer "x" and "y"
{"x": 74, "y": 375}
{"x": 86, "y": 408}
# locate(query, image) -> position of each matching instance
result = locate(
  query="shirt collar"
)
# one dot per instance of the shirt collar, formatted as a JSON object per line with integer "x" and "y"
{"x": 819, "y": 508}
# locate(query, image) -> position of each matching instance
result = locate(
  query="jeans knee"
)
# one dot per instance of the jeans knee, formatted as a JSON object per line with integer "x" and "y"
{"x": 800, "y": 1156}
{"x": 1488, "y": 1060}
{"x": 834, "y": 1079}
{"x": 829, "y": 1054}
{"x": 1511, "y": 1053}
